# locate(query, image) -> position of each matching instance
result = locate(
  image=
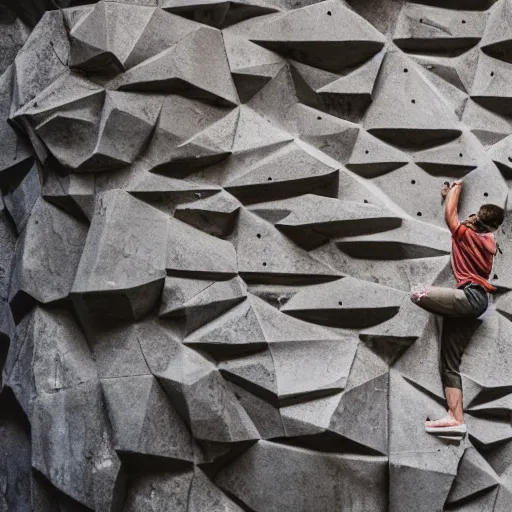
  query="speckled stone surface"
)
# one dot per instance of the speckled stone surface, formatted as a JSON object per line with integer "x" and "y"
{"x": 212, "y": 214}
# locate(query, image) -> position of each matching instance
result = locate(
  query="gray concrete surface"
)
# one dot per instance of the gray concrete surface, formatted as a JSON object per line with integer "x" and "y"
{"x": 212, "y": 214}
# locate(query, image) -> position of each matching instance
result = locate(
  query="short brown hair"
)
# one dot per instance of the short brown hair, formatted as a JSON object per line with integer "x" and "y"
{"x": 491, "y": 215}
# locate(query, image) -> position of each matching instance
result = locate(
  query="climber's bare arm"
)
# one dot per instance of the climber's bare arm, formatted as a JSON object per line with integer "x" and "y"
{"x": 452, "y": 201}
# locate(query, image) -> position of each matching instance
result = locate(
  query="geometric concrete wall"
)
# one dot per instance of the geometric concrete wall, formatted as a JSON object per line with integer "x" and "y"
{"x": 212, "y": 216}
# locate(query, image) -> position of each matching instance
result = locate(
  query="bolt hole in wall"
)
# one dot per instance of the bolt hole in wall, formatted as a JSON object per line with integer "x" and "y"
{"x": 495, "y": 276}
{"x": 264, "y": 263}
{"x": 486, "y": 194}
{"x": 413, "y": 182}
{"x": 492, "y": 73}
{"x": 319, "y": 118}
{"x": 258, "y": 235}
{"x": 269, "y": 178}
{"x": 329, "y": 13}
{"x": 463, "y": 21}
{"x": 366, "y": 152}
{"x": 365, "y": 201}
{"x": 405, "y": 70}
{"x": 340, "y": 303}
{"x": 413, "y": 101}
{"x": 419, "y": 214}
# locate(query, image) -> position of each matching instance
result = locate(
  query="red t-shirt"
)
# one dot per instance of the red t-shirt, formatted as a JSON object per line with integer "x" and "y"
{"x": 472, "y": 256}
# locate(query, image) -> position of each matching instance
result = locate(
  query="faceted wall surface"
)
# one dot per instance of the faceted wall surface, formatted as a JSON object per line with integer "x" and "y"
{"x": 212, "y": 216}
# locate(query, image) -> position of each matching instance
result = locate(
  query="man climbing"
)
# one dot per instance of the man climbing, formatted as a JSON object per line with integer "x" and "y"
{"x": 473, "y": 251}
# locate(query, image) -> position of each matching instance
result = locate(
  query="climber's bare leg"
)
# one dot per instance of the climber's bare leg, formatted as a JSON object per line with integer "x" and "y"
{"x": 455, "y": 414}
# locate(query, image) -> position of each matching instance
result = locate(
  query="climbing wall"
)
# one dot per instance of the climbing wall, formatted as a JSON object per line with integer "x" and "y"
{"x": 212, "y": 215}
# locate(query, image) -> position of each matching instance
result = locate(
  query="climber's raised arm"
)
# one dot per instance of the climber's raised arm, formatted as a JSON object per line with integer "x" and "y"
{"x": 451, "y": 215}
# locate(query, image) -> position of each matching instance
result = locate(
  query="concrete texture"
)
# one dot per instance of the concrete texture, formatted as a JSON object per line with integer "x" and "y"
{"x": 212, "y": 214}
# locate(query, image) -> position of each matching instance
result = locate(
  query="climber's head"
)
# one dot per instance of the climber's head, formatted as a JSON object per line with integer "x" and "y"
{"x": 488, "y": 219}
{"x": 491, "y": 216}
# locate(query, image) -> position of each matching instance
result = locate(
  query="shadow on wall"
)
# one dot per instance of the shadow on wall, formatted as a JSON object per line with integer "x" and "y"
{"x": 31, "y": 11}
